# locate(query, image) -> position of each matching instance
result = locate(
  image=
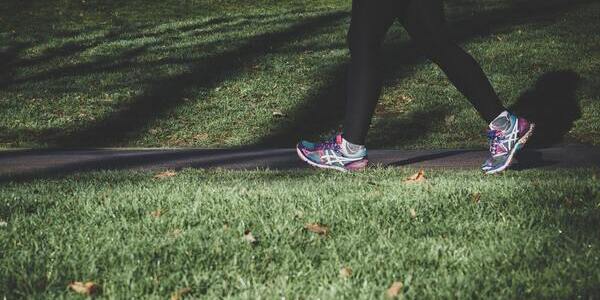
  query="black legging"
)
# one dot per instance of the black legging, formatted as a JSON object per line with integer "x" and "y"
{"x": 424, "y": 21}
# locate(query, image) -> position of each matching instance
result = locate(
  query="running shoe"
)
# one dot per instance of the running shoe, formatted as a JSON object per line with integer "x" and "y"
{"x": 507, "y": 135}
{"x": 329, "y": 155}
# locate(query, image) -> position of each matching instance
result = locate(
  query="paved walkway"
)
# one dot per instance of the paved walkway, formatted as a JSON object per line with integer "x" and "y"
{"x": 27, "y": 164}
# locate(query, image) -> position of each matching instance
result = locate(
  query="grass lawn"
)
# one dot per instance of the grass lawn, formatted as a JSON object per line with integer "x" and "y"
{"x": 528, "y": 234}
{"x": 222, "y": 73}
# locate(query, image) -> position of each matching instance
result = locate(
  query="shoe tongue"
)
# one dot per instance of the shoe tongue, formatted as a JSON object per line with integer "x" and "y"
{"x": 338, "y": 139}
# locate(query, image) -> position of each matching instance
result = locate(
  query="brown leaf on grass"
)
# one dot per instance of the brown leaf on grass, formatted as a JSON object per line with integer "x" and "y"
{"x": 165, "y": 174}
{"x": 413, "y": 213}
{"x": 157, "y": 213}
{"x": 175, "y": 233}
{"x": 569, "y": 202}
{"x": 200, "y": 137}
{"x": 345, "y": 272}
{"x": 449, "y": 120}
{"x": 393, "y": 291}
{"x": 417, "y": 177}
{"x": 298, "y": 214}
{"x": 476, "y": 198}
{"x": 89, "y": 288}
{"x": 249, "y": 237}
{"x": 180, "y": 292}
{"x": 317, "y": 228}
{"x": 406, "y": 98}
{"x": 278, "y": 113}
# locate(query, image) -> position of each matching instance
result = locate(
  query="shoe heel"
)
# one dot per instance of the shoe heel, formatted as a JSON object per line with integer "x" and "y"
{"x": 527, "y": 135}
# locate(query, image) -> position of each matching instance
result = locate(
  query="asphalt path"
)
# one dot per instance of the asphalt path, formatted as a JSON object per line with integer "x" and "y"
{"x": 25, "y": 164}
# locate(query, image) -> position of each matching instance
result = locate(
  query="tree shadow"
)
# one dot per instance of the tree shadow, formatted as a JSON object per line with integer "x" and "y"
{"x": 8, "y": 57}
{"x": 125, "y": 31}
{"x": 167, "y": 93}
{"x": 413, "y": 125}
{"x": 321, "y": 111}
{"x": 105, "y": 159}
{"x": 552, "y": 105}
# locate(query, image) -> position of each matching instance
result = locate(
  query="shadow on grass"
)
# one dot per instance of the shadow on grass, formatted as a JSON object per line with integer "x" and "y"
{"x": 8, "y": 58}
{"x": 105, "y": 159}
{"x": 413, "y": 125}
{"x": 126, "y": 32}
{"x": 168, "y": 93}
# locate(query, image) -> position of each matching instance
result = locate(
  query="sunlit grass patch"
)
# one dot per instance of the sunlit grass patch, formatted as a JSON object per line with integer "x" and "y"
{"x": 455, "y": 234}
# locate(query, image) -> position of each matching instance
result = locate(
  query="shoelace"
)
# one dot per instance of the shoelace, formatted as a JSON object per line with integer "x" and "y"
{"x": 330, "y": 143}
{"x": 495, "y": 142}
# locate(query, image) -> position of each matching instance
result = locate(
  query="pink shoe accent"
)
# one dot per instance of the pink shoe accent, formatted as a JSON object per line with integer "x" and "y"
{"x": 357, "y": 165}
{"x": 523, "y": 126}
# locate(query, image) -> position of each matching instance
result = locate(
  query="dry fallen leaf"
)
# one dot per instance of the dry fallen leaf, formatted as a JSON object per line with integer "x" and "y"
{"x": 89, "y": 288}
{"x": 569, "y": 202}
{"x": 278, "y": 113}
{"x": 157, "y": 213}
{"x": 394, "y": 290}
{"x": 345, "y": 272}
{"x": 406, "y": 98}
{"x": 417, "y": 177}
{"x": 413, "y": 213}
{"x": 175, "y": 233}
{"x": 317, "y": 228}
{"x": 180, "y": 292}
{"x": 165, "y": 174}
{"x": 476, "y": 197}
{"x": 248, "y": 237}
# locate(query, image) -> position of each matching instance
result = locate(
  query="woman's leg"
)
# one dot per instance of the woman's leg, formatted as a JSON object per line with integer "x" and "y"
{"x": 424, "y": 20}
{"x": 370, "y": 21}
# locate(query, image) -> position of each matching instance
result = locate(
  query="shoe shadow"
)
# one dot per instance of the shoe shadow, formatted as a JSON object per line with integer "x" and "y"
{"x": 531, "y": 159}
{"x": 552, "y": 105}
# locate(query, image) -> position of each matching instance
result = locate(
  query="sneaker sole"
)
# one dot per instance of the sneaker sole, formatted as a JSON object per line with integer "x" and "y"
{"x": 518, "y": 146}
{"x": 320, "y": 166}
